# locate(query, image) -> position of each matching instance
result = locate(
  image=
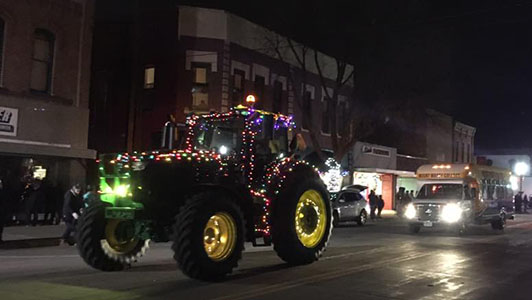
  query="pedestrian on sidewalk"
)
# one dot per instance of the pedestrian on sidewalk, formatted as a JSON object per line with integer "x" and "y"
{"x": 36, "y": 202}
{"x": 71, "y": 210}
{"x": 380, "y": 206}
{"x": 4, "y": 201}
{"x": 373, "y": 200}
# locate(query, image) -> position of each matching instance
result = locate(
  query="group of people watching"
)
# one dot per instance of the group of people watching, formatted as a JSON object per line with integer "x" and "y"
{"x": 39, "y": 203}
{"x": 376, "y": 204}
{"x": 522, "y": 202}
{"x": 403, "y": 198}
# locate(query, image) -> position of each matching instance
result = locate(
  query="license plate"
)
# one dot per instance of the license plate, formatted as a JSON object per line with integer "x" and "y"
{"x": 427, "y": 224}
{"x": 120, "y": 213}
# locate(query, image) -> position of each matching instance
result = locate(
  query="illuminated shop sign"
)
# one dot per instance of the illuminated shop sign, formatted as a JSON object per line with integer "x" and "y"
{"x": 8, "y": 121}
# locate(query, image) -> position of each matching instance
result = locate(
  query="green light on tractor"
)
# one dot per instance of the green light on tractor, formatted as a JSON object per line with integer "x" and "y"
{"x": 116, "y": 194}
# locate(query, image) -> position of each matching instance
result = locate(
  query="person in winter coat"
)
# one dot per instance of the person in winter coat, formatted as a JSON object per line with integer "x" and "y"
{"x": 71, "y": 211}
{"x": 380, "y": 206}
{"x": 36, "y": 202}
{"x": 373, "y": 201}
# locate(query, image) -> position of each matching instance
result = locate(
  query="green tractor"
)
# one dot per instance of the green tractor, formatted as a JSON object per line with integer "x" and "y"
{"x": 232, "y": 178}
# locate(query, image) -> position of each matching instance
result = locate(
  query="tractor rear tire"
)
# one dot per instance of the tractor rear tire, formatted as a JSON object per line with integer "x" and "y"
{"x": 307, "y": 199}
{"x": 208, "y": 236}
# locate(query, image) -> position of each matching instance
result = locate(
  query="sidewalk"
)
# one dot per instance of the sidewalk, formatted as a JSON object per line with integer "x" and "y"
{"x": 28, "y": 237}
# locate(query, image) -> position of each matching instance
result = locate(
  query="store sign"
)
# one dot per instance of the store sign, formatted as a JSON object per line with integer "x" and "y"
{"x": 375, "y": 151}
{"x": 8, "y": 121}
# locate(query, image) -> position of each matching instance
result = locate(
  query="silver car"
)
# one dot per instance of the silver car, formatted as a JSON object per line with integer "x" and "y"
{"x": 348, "y": 206}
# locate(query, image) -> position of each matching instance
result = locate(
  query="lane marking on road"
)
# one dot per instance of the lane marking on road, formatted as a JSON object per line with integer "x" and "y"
{"x": 318, "y": 278}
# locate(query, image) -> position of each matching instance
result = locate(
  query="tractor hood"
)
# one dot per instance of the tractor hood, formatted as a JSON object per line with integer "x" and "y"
{"x": 119, "y": 174}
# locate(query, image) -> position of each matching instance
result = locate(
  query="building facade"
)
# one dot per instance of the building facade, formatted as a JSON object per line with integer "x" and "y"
{"x": 44, "y": 89}
{"x": 463, "y": 143}
{"x": 189, "y": 59}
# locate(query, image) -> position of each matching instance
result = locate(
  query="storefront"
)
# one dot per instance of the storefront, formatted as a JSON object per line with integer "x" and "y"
{"x": 42, "y": 141}
{"x": 384, "y": 182}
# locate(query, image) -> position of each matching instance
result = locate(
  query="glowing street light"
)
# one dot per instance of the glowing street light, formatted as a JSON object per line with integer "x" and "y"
{"x": 521, "y": 169}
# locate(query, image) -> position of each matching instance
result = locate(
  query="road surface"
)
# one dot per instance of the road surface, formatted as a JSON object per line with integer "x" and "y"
{"x": 378, "y": 261}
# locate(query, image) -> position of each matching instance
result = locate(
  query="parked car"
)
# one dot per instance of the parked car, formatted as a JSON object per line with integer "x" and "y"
{"x": 349, "y": 205}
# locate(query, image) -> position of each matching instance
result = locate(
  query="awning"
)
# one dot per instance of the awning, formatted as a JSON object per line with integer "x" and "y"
{"x": 387, "y": 171}
{"x": 24, "y": 147}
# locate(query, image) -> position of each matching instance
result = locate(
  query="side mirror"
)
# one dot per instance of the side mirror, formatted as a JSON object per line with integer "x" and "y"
{"x": 169, "y": 135}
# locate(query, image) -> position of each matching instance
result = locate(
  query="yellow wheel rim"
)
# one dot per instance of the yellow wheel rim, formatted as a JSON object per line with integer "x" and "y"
{"x": 120, "y": 236}
{"x": 219, "y": 236}
{"x": 310, "y": 218}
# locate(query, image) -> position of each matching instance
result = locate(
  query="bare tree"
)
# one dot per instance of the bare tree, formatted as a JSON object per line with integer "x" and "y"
{"x": 347, "y": 124}
{"x": 281, "y": 48}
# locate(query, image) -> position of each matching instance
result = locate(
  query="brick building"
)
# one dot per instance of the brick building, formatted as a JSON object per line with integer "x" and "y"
{"x": 463, "y": 143}
{"x": 44, "y": 89}
{"x": 172, "y": 59}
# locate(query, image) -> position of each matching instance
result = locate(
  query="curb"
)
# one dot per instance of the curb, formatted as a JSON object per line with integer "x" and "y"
{"x": 29, "y": 243}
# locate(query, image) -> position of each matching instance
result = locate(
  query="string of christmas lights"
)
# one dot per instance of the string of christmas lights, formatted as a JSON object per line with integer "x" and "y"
{"x": 262, "y": 190}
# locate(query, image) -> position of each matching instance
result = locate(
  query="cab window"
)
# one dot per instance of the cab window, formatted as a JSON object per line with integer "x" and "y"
{"x": 271, "y": 139}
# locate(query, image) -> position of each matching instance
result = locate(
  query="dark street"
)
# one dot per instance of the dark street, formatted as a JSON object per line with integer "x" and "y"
{"x": 378, "y": 261}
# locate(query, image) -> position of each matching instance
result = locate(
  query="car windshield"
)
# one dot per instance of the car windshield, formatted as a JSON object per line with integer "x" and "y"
{"x": 222, "y": 136}
{"x": 441, "y": 191}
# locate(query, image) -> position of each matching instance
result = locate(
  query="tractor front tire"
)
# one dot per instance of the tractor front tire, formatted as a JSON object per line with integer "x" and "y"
{"x": 302, "y": 221}
{"x": 208, "y": 236}
{"x": 95, "y": 247}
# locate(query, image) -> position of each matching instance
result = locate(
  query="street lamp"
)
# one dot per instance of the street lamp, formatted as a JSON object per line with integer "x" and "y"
{"x": 521, "y": 169}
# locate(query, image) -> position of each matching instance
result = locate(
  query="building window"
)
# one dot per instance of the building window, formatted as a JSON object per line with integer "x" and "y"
{"x": 307, "y": 110}
{"x": 149, "y": 77}
{"x": 238, "y": 87}
{"x": 325, "y": 120}
{"x": 42, "y": 61}
{"x": 260, "y": 82}
{"x": 468, "y": 157}
{"x": 278, "y": 97}
{"x": 200, "y": 86}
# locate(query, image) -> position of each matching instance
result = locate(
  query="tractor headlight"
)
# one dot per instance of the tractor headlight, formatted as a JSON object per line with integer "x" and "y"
{"x": 122, "y": 190}
{"x": 451, "y": 213}
{"x": 410, "y": 212}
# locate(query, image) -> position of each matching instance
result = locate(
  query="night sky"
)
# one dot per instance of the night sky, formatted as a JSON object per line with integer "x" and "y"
{"x": 470, "y": 59}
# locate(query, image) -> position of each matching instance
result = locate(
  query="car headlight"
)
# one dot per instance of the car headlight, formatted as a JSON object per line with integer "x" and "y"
{"x": 451, "y": 213}
{"x": 410, "y": 212}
